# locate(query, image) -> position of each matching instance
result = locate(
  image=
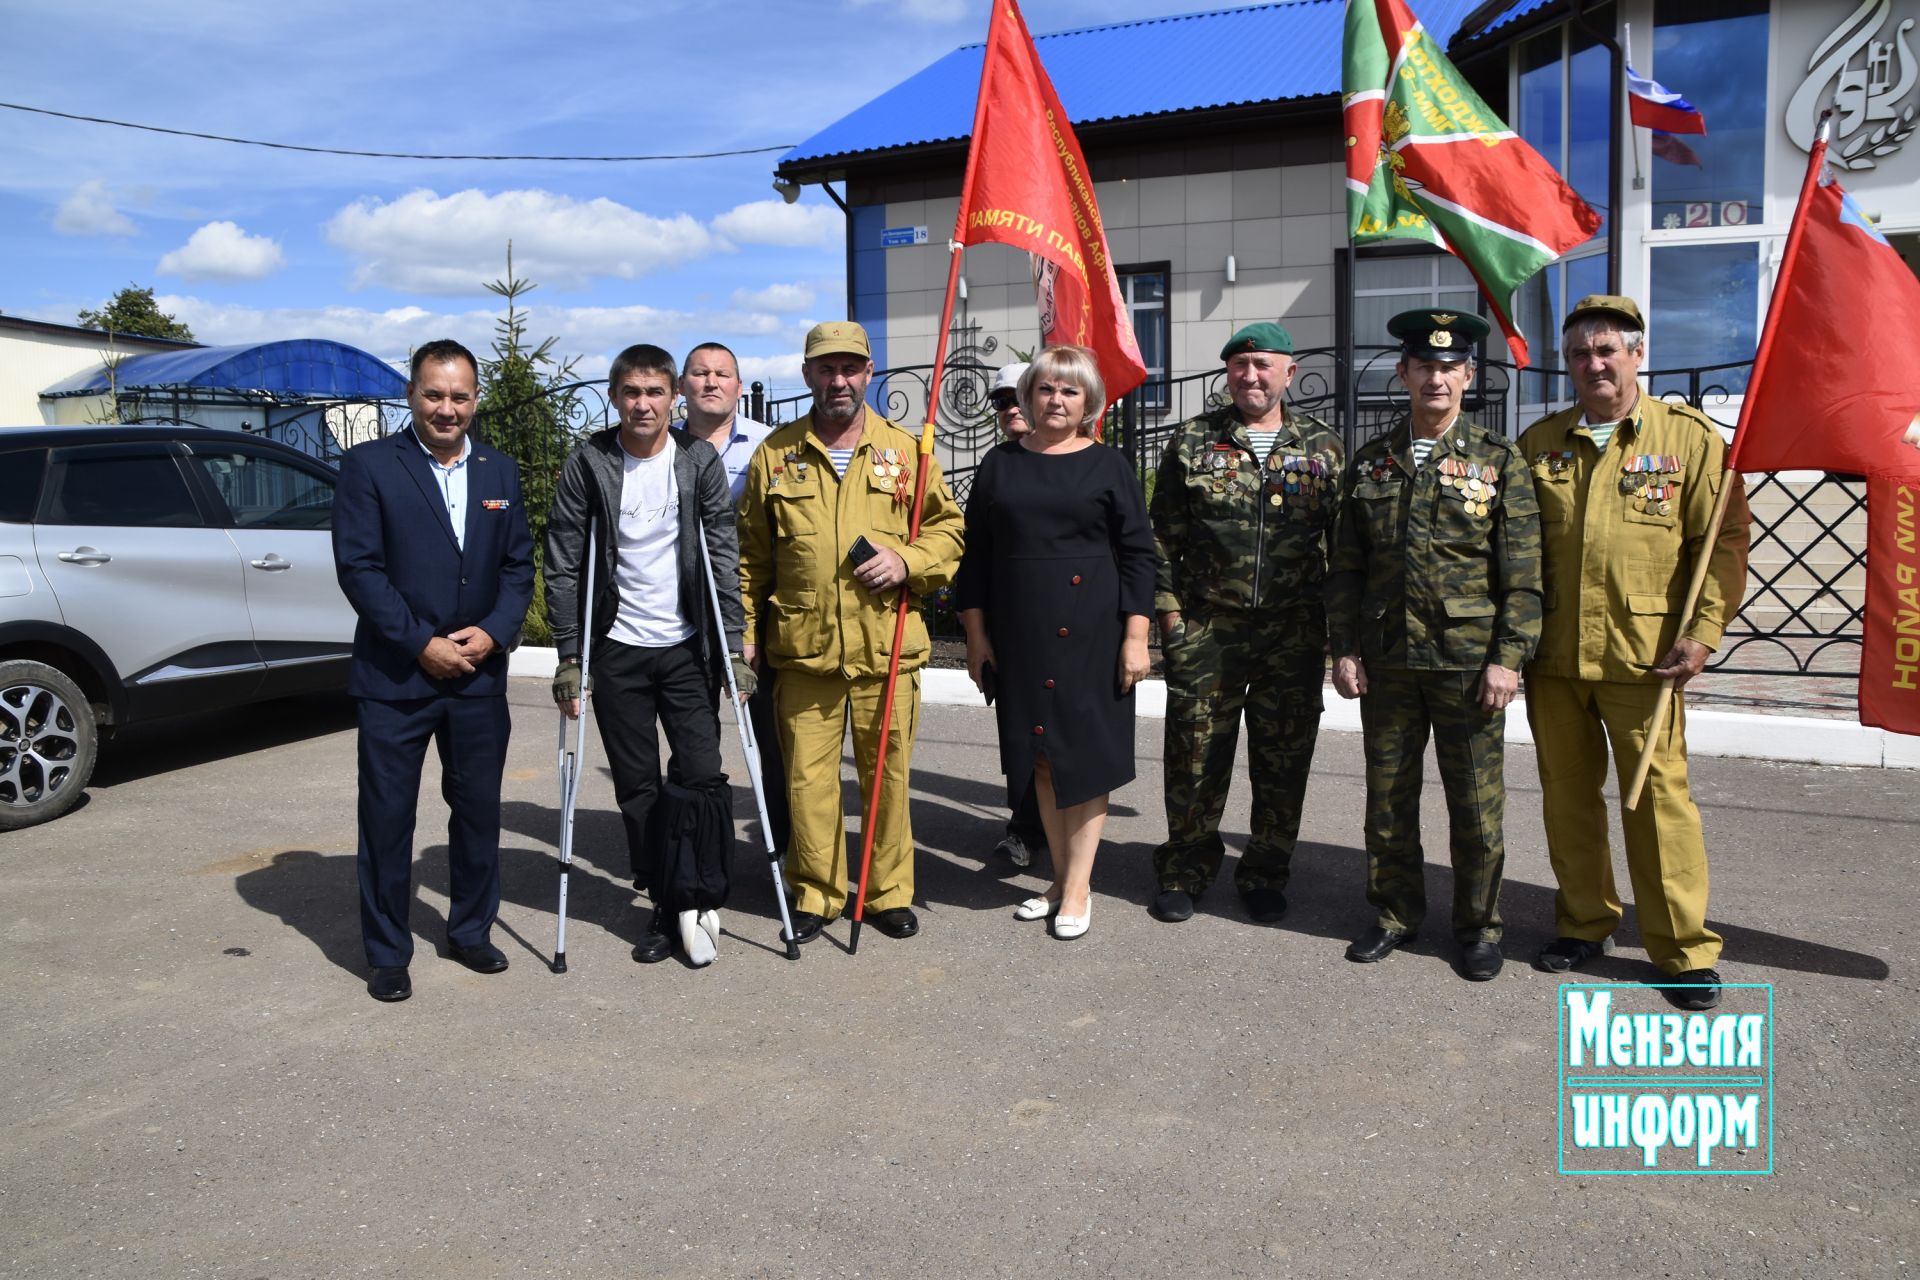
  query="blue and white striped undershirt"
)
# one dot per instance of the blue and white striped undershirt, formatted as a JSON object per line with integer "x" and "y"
{"x": 842, "y": 459}
{"x": 1423, "y": 447}
{"x": 1602, "y": 432}
{"x": 1263, "y": 443}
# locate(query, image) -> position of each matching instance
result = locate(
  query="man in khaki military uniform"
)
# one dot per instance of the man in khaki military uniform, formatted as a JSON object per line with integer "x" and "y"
{"x": 1433, "y": 606}
{"x": 1627, "y": 486}
{"x": 814, "y": 488}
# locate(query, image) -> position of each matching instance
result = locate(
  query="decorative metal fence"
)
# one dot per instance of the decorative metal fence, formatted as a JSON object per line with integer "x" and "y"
{"x": 1806, "y": 578}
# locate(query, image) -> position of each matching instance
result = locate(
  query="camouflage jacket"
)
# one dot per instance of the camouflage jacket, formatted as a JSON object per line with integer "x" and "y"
{"x": 1233, "y": 532}
{"x": 1436, "y": 569}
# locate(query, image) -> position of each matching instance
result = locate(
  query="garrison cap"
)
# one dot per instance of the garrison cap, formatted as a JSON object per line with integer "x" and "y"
{"x": 1263, "y": 335}
{"x": 836, "y": 338}
{"x": 1609, "y": 306}
{"x": 1429, "y": 333}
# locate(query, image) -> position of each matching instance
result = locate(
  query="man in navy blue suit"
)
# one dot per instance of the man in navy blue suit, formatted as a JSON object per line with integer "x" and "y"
{"x": 430, "y": 541}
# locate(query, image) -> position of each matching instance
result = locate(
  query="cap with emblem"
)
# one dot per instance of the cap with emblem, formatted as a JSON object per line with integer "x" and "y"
{"x": 1263, "y": 335}
{"x": 1427, "y": 333}
{"x": 838, "y": 338}
{"x": 1609, "y": 306}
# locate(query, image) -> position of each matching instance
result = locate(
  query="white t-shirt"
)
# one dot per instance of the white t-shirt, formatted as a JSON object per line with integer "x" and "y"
{"x": 647, "y": 569}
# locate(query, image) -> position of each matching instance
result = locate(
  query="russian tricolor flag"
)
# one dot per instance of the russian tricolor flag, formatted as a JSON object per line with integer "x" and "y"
{"x": 1654, "y": 106}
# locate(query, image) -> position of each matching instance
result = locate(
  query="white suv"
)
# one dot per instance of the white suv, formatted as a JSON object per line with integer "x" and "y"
{"x": 149, "y": 571}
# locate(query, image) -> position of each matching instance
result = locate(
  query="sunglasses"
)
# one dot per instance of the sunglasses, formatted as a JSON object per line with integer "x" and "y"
{"x": 1003, "y": 400}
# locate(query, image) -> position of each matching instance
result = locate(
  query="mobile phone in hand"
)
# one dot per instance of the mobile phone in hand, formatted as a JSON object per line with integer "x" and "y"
{"x": 861, "y": 551}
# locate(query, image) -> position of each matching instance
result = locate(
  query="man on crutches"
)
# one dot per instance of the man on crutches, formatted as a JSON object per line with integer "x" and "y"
{"x": 657, "y": 647}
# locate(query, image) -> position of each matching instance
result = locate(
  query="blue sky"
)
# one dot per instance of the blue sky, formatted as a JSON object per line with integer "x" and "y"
{"x": 248, "y": 244}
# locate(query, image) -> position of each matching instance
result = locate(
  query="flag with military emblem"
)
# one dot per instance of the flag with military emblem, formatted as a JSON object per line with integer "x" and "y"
{"x": 1426, "y": 160}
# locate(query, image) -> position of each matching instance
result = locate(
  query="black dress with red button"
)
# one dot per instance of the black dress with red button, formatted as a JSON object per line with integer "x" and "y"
{"x": 1059, "y": 554}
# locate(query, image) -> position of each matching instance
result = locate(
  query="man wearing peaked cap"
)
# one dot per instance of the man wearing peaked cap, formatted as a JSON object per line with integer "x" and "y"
{"x": 1241, "y": 512}
{"x": 1433, "y": 606}
{"x": 839, "y": 476}
{"x": 1627, "y": 485}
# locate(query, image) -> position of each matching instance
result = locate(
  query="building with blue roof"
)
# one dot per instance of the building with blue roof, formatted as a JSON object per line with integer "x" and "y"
{"x": 1215, "y": 142}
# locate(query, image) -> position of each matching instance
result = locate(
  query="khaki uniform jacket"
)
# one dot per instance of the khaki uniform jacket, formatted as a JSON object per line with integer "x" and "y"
{"x": 1233, "y": 532}
{"x": 1618, "y": 564}
{"x": 1429, "y": 576}
{"x": 797, "y": 522}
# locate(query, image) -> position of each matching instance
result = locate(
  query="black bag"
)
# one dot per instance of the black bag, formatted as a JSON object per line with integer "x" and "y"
{"x": 696, "y": 847}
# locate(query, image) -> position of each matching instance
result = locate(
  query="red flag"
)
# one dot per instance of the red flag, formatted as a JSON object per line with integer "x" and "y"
{"x": 1837, "y": 386}
{"x": 1027, "y": 186}
{"x": 1890, "y": 652}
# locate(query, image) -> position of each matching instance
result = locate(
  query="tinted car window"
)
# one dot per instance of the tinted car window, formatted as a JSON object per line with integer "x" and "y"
{"x": 20, "y": 473}
{"x": 139, "y": 490}
{"x": 267, "y": 493}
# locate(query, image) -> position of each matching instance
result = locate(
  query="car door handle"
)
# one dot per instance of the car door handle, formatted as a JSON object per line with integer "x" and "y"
{"x": 84, "y": 555}
{"x": 271, "y": 563}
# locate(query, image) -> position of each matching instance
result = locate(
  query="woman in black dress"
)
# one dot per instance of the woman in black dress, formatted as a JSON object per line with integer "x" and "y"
{"x": 1055, "y": 591}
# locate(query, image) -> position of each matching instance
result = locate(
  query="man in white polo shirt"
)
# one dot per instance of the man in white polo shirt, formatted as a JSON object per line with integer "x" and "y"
{"x": 649, "y": 494}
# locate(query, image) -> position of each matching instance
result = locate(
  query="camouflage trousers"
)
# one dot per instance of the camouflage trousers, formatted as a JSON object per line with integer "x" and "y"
{"x": 1273, "y": 668}
{"x": 1397, "y": 713}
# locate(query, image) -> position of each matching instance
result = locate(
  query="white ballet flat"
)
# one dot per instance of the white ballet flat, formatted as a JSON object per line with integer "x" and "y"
{"x": 1068, "y": 928}
{"x": 694, "y": 941}
{"x": 710, "y": 925}
{"x": 1036, "y": 909}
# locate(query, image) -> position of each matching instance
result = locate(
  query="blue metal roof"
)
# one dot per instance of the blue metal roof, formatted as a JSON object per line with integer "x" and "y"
{"x": 1520, "y": 10}
{"x": 1153, "y": 66}
{"x": 299, "y": 368}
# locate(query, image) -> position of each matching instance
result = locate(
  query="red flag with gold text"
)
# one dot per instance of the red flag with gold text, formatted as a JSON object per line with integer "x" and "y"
{"x": 1027, "y": 186}
{"x": 1890, "y": 648}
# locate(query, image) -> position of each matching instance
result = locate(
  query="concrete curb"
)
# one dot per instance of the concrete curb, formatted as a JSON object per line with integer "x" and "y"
{"x": 1789, "y": 739}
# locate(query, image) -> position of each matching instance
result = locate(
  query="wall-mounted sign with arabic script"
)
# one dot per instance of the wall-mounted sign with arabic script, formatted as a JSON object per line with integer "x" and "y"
{"x": 1865, "y": 69}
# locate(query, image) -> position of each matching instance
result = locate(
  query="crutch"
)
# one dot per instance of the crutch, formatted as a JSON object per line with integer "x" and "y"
{"x": 573, "y": 759}
{"x": 750, "y": 748}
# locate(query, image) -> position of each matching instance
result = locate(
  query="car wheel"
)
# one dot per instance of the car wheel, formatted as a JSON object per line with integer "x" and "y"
{"x": 48, "y": 743}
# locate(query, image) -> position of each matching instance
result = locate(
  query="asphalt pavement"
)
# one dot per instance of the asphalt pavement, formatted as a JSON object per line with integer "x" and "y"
{"x": 194, "y": 1083}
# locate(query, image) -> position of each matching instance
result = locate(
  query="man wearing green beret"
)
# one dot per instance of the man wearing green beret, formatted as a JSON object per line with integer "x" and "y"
{"x": 1433, "y": 606}
{"x": 1627, "y": 486}
{"x": 1241, "y": 512}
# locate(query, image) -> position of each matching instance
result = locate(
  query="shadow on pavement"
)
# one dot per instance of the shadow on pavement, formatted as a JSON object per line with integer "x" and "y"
{"x": 181, "y": 742}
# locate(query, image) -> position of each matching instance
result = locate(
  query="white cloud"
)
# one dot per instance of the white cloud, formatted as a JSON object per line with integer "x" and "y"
{"x": 222, "y": 251}
{"x": 789, "y": 226}
{"x": 427, "y": 243}
{"x": 775, "y": 297}
{"x": 781, "y": 372}
{"x": 88, "y": 211}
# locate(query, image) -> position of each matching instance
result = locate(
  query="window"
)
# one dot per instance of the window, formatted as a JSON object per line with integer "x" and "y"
{"x": 121, "y": 487}
{"x": 1383, "y": 287}
{"x": 267, "y": 493}
{"x": 1144, "y": 289}
{"x": 1704, "y": 312}
{"x": 1714, "y": 54}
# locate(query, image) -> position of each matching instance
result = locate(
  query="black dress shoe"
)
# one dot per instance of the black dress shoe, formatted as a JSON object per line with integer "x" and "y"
{"x": 1694, "y": 989}
{"x": 390, "y": 985}
{"x": 483, "y": 958}
{"x": 1265, "y": 905}
{"x": 1481, "y": 961}
{"x": 654, "y": 945}
{"x": 895, "y": 922}
{"x": 1173, "y": 906}
{"x": 807, "y": 926}
{"x": 1376, "y": 943}
{"x": 1564, "y": 954}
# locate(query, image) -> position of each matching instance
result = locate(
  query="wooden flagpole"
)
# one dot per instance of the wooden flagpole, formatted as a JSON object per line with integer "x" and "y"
{"x": 1658, "y": 724}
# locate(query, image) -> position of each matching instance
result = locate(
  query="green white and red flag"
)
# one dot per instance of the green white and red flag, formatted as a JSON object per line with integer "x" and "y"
{"x": 1426, "y": 160}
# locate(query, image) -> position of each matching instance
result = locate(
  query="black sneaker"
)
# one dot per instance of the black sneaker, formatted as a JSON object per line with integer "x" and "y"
{"x": 1173, "y": 906}
{"x": 654, "y": 945}
{"x": 1564, "y": 954}
{"x": 1695, "y": 989}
